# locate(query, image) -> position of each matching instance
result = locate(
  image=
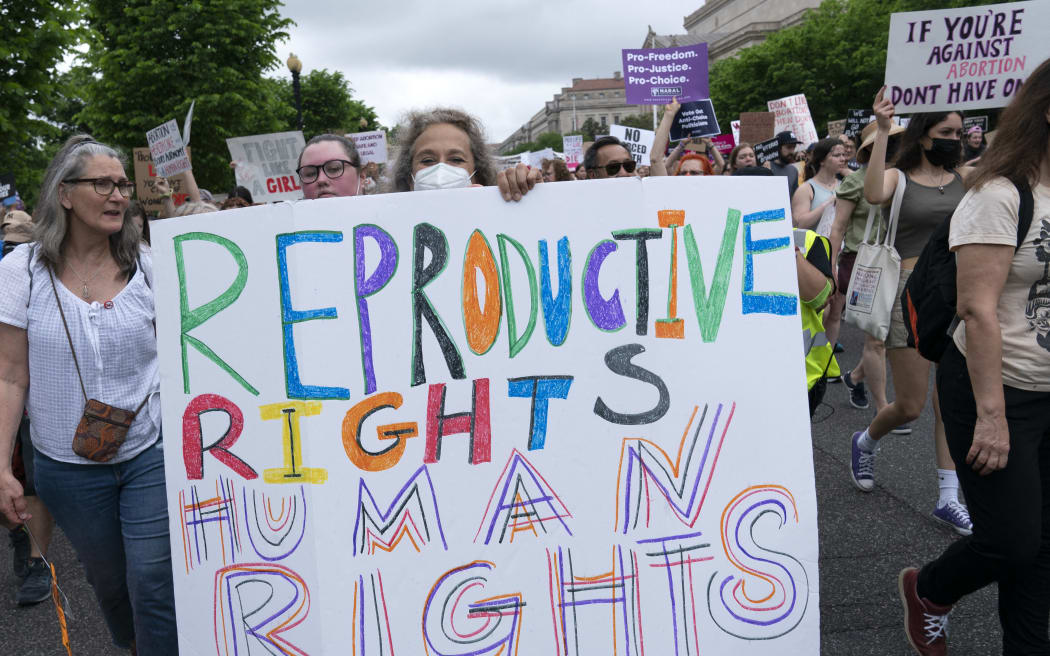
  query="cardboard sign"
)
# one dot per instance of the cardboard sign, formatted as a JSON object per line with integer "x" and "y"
{"x": 756, "y": 126}
{"x": 146, "y": 183}
{"x": 637, "y": 141}
{"x": 370, "y": 145}
{"x": 735, "y": 127}
{"x": 167, "y": 150}
{"x": 388, "y": 429}
{"x": 266, "y": 163}
{"x": 980, "y": 121}
{"x": 766, "y": 151}
{"x": 7, "y": 186}
{"x": 792, "y": 113}
{"x": 964, "y": 58}
{"x": 656, "y": 75}
{"x": 695, "y": 119}
{"x": 572, "y": 145}
{"x": 857, "y": 120}
{"x": 724, "y": 143}
{"x": 835, "y": 128}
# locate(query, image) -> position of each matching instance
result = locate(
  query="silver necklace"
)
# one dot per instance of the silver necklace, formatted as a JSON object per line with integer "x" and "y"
{"x": 85, "y": 292}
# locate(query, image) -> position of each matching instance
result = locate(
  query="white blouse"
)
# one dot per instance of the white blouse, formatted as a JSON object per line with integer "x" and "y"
{"x": 116, "y": 346}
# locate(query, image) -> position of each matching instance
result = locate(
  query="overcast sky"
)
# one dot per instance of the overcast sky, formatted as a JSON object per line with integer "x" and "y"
{"x": 497, "y": 59}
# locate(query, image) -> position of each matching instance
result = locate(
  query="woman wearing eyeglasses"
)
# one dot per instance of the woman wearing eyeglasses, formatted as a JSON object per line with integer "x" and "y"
{"x": 330, "y": 166}
{"x": 76, "y": 323}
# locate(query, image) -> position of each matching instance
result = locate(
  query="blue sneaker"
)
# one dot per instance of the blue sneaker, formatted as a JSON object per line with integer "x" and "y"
{"x": 862, "y": 465}
{"x": 858, "y": 394}
{"x": 955, "y": 515}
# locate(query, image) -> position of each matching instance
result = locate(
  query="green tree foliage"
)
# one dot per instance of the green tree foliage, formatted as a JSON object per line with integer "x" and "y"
{"x": 526, "y": 147}
{"x": 549, "y": 140}
{"x": 328, "y": 104}
{"x": 590, "y": 128}
{"x": 641, "y": 121}
{"x": 37, "y": 34}
{"x": 154, "y": 57}
{"x": 837, "y": 57}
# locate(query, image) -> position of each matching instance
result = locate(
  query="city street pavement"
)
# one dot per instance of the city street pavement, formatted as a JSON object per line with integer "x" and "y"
{"x": 865, "y": 539}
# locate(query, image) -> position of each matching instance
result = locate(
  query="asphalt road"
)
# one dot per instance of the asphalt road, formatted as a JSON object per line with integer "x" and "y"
{"x": 865, "y": 539}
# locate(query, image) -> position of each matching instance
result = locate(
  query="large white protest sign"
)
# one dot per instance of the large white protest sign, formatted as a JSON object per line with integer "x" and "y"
{"x": 371, "y": 146}
{"x": 167, "y": 150}
{"x": 439, "y": 423}
{"x": 964, "y": 58}
{"x": 637, "y": 141}
{"x": 265, "y": 165}
{"x": 792, "y": 113}
{"x": 573, "y": 147}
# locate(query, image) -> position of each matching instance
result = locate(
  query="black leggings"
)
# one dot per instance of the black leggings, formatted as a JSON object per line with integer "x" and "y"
{"x": 1010, "y": 509}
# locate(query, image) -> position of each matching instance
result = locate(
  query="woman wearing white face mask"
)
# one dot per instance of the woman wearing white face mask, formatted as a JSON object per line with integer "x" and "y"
{"x": 445, "y": 149}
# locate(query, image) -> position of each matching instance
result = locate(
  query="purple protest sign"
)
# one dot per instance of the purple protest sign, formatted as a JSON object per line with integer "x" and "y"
{"x": 656, "y": 75}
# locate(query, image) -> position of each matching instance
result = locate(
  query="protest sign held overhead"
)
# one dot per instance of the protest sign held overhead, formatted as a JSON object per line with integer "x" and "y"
{"x": 265, "y": 164}
{"x": 757, "y": 126}
{"x": 637, "y": 141}
{"x": 146, "y": 192}
{"x": 695, "y": 119}
{"x": 966, "y": 57}
{"x": 654, "y": 76}
{"x": 856, "y": 120}
{"x": 724, "y": 143}
{"x": 370, "y": 145}
{"x": 470, "y": 461}
{"x": 835, "y": 128}
{"x": 792, "y": 113}
{"x": 979, "y": 121}
{"x": 572, "y": 145}
{"x": 735, "y": 127}
{"x": 767, "y": 151}
{"x": 7, "y": 186}
{"x": 167, "y": 150}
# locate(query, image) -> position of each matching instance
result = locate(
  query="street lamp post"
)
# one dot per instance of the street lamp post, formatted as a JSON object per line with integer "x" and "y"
{"x": 296, "y": 67}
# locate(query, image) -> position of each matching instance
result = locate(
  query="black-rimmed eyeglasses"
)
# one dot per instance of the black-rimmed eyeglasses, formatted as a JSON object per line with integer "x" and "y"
{"x": 612, "y": 168}
{"x": 104, "y": 186}
{"x": 333, "y": 169}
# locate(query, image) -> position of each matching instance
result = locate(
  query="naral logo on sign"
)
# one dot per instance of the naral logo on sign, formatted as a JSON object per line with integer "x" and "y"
{"x": 666, "y": 91}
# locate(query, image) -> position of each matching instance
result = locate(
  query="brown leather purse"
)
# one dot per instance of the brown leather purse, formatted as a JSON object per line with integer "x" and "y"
{"x": 103, "y": 427}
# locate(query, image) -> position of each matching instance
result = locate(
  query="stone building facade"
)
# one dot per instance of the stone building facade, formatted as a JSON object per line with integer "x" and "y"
{"x": 729, "y": 26}
{"x": 600, "y": 98}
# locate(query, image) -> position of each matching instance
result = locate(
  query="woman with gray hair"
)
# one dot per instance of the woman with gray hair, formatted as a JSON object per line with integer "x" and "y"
{"x": 76, "y": 314}
{"x": 444, "y": 148}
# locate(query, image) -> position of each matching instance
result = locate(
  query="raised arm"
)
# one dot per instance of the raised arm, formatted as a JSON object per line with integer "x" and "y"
{"x": 14, "y": 380}
{"x": 879, "y": 184}
{"x": 657, "y": 166}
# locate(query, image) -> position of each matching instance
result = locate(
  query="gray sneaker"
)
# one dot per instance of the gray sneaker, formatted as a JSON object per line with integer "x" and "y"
{"x": 37, "y": 585}
{"x": 20, "y": 545}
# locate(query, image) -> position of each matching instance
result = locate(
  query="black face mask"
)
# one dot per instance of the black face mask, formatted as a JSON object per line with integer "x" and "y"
{"x": 944, "y": 152}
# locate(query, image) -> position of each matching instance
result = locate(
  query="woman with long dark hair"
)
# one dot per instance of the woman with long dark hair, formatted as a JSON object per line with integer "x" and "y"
{"x": 994, "y": 383}
{"x": 928, "y": 165}
{"x": 813, "y": 205}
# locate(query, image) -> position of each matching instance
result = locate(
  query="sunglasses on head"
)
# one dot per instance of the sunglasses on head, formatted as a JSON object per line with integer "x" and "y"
{"x": 612, "y": 168}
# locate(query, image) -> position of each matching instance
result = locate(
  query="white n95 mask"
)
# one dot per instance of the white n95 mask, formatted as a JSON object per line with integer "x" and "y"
{"x": 441, "y": 176}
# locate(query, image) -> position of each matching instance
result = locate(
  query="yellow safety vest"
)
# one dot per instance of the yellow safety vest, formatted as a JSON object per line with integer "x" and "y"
{"x": 820, "y": 354}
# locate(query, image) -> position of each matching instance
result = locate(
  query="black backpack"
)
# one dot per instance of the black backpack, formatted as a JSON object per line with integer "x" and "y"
{"x": 929, "y": 297}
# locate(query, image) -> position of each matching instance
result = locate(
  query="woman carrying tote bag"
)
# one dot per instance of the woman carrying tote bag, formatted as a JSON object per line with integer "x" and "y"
{"x": 927, "y": 169}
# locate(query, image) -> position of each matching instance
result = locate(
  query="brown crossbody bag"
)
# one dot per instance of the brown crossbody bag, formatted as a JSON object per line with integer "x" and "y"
{"x": 103, "y": 427}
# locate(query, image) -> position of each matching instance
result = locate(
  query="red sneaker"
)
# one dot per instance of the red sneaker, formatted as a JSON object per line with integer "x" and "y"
{"x": 925, "y": 622}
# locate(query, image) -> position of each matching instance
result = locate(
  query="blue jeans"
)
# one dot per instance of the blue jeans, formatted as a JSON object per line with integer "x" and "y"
{"x": 116, "y": 517}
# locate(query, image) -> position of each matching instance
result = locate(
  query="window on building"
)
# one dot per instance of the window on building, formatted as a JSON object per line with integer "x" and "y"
{"x": 616, "y": 119}
{"x": 601, "y": 95}
{"x": 586, "y": 96}
{"x": 604, "y": 121}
